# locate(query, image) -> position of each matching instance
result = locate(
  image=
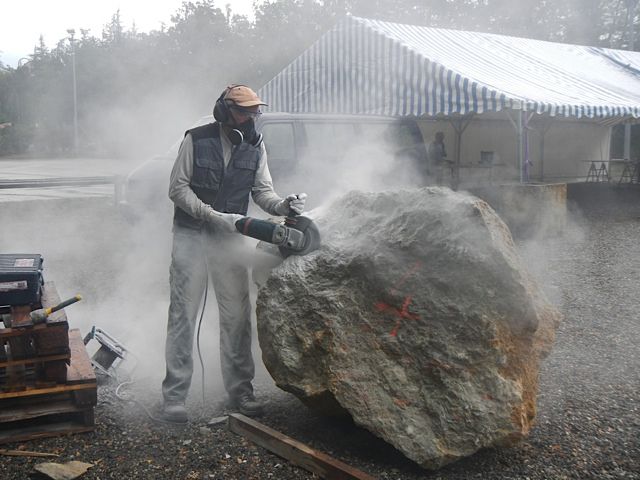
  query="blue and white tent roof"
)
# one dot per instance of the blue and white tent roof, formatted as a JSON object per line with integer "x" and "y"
{"x": 365, "y": 66}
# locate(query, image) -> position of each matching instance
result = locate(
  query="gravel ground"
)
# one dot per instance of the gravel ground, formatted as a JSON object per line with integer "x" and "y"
{"x": 588, "y": 423}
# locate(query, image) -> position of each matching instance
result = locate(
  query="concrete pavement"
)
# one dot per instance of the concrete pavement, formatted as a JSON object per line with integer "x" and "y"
{"x": 27, "y": 168}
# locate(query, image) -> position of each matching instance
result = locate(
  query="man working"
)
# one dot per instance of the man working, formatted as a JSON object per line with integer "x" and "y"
{"x": 218, "y": 167}
{"x": 437, "y": 157}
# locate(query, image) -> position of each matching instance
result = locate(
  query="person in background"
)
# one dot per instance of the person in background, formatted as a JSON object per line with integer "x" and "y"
{"x": 437, "y": 158}
{"x": 219, "y": 166}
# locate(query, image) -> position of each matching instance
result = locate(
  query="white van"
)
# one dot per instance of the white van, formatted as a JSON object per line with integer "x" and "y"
{"x": 321, "y": 155}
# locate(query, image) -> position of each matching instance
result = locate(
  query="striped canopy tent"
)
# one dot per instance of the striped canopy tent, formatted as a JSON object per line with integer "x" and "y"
{"x": 365, "y": 66}
{"x": 370, "y": 67}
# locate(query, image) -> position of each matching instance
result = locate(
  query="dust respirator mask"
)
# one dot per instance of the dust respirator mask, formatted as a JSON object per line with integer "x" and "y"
{"x": 246, "y": 131}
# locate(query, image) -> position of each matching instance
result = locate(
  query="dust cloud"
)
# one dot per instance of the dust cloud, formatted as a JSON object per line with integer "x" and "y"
{"x": 120, "y": 262}
{"x": 89, "y": 248}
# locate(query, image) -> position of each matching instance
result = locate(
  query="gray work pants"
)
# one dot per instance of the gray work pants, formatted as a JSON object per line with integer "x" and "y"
{"x": 194, "y": 253}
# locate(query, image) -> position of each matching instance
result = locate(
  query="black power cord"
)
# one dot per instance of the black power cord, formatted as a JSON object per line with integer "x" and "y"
{"x": 131, "y": 398}
{"x": 204, "y": 304}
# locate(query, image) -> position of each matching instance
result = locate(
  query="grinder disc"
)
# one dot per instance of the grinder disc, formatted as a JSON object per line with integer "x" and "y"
{"x": 311, "y": 235}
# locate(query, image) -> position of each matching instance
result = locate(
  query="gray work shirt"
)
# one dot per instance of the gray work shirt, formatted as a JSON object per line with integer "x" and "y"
{"x": 182, "y": 195}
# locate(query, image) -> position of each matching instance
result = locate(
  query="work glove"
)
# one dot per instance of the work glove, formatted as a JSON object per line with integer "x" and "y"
{"x": 293, "y": 202}
{"x": 224, "y": 222}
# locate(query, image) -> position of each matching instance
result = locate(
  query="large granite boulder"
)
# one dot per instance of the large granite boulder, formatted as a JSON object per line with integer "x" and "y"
{"x": 417, "y": 318}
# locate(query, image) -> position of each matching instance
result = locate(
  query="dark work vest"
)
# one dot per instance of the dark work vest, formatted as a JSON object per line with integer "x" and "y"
{"x": 226, "y": 190}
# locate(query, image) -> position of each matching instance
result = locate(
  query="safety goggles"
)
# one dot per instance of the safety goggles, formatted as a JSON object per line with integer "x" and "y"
{"x": 246, "y": 112}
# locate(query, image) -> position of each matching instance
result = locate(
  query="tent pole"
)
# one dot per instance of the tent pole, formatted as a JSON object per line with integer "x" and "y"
{"x": 546, "y": 125}
{"x": 520, "y": 144}
{"x": 627, "y": 141}
{"x": 631, "y": 8}
{"x": 541, "y": 128}
{"x": 456, "y": 177}
{"x": 517, "y": 124}
{"x": 542, "y": 133}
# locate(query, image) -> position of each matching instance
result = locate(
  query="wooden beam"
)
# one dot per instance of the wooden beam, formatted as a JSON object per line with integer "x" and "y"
{"x": 23, "y": 412}
{"x": 30, "y": 391}
{"x": 18, "y": 332}
{"x": 32, "y": 360}
{"x": 26, "y": 453}
{"x": 80, "y": 369}
{"x": 297, "y": 453}
{"x": 33, "y": 431}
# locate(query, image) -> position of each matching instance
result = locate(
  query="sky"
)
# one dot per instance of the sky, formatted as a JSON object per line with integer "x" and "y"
{"x": 23, "y": 21}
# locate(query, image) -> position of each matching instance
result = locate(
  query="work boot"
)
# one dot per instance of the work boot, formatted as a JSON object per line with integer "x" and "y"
{"x": 174, "y": 412}
{"x": 246, "y": 404}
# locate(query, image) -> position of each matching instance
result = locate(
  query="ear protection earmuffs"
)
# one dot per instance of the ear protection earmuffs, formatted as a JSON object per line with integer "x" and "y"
{"x": 222, "y": 114}
{"x": 220, "y": 109}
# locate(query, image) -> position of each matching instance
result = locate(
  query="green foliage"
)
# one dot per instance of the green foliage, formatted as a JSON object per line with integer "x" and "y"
{"x": 136, "y": 90}
{"x": 15, "y": 139}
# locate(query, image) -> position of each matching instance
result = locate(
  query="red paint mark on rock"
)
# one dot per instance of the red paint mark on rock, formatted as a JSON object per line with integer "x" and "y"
{"x": 402, "y": 312}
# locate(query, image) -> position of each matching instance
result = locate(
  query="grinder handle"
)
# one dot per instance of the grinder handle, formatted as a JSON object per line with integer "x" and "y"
{"x": 292, "y": 213}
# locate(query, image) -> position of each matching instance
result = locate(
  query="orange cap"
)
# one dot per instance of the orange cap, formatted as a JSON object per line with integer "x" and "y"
{"x": 243, "y": 96}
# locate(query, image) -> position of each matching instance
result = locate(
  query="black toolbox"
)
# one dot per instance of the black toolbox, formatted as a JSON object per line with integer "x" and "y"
{"x": 20, "y": 279}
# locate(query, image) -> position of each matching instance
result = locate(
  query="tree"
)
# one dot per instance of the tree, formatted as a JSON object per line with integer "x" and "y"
{"x": 113, "y": 31}
{"x": 283, "y": 29}
{"x": 133, "y": 84}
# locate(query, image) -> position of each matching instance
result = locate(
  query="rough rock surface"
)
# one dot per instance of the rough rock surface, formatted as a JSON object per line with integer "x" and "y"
{"x": 417, "y": 317}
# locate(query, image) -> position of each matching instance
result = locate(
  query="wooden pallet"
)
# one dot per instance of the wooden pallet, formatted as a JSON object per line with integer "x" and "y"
{"x": 52, "y": 409}
{"x": 33, "y": 354}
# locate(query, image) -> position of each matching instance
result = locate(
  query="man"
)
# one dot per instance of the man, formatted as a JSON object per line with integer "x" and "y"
{"x": 437, "y": 157}
{"x": 218, "y": 167}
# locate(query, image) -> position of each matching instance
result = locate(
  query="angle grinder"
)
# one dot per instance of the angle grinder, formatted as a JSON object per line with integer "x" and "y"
{"x": 297, "y": 236}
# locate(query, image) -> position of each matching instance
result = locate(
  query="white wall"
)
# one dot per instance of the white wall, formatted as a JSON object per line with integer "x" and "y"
{"x": 568, "y": 146}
